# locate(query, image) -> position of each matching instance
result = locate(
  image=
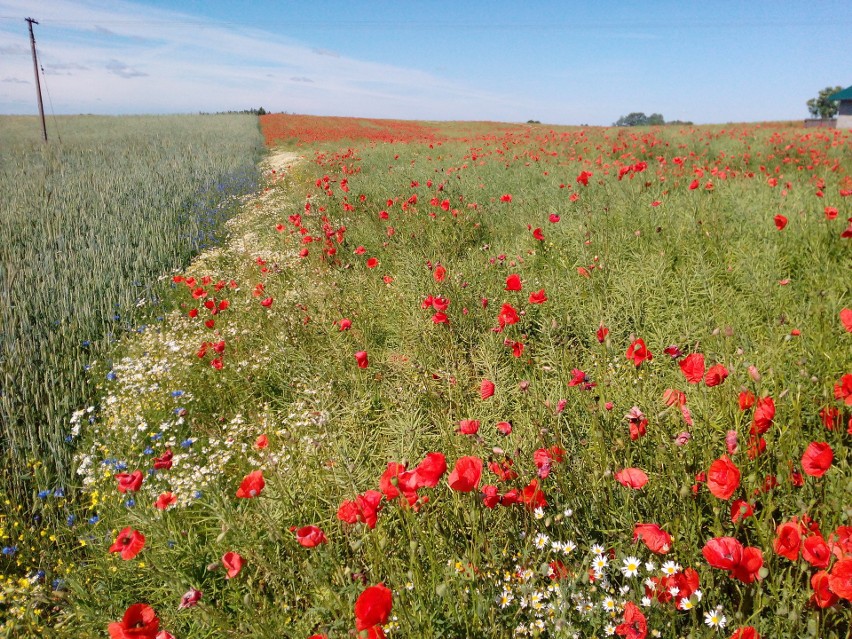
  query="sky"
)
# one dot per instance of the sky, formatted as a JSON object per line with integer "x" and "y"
{"x": 556, "y": 62}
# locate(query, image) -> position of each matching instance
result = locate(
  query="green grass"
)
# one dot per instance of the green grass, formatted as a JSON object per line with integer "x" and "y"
{"x": 89, "y": 224}
{"x": 702, "y": 270}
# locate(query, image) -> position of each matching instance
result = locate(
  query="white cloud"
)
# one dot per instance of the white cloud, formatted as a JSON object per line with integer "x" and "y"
{"x": 173, "y": 62}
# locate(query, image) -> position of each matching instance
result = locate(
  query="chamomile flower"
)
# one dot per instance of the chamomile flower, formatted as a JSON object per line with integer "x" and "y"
{"x": 646, "y": 602}
{"x": 568, "y": 547}
{"x": 609, "y": 630}
{"x": 685, "y": 604}
{"x": 597, "y": 549}
{"x": 608, "y": 604}
{"x": 650, "y": 566}
{"x": 671, "y": 568}
{"x": 599, "y": 563}
{"x": 541, "y": 541}
{"x": 630, "y": 567}
{"x": 715, "y": 618}
{"x": 506, "y": 598}
{"x": 538, "y": 513}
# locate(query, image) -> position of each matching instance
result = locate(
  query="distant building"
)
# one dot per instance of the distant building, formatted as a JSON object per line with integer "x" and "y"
{"x": 844, "y": 114}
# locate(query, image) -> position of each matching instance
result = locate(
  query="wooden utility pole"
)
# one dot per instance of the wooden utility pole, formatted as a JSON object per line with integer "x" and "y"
{"x": 38, "y": 84}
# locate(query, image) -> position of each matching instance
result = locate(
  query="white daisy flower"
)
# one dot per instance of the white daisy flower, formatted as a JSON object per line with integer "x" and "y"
{"x": 715, "y": 618}
{"x": 631, "y": 567}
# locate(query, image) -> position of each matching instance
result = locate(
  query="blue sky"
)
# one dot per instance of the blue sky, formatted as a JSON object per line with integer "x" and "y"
{"x": 557, "y": 62}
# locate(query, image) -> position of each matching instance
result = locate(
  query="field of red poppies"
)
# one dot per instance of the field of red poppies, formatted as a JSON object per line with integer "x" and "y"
{"x": 490, "y": 381}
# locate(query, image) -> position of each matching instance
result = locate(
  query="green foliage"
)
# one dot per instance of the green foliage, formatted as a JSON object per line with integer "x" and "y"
{"x": 700, "y": 268}
{"x": 821, "y": 106}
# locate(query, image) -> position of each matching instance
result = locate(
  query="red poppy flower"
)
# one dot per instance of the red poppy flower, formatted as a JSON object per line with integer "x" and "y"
{"x": 504, "y": 428}
{"x": 129, "y": 482}
{"x": 843, "y": 389}
{"x": 723, "y": 478}
{"x": 506, "y": 198}
{"x": 723, "y": 552}
{"x": 165, "y": 500}
{"x": 538, "y": 234}
{"x": 361, "y": 359}
{"x": 440, "y": 273}
{"x": 345, "y": 324}
{"x": 373, "y": 262}
{"x": 466, "y": 474}
{"x": 508, "y": 315}
{"x": 129, "y": 543}
{"x": 746, "y": 400}
{"x": 164, "y": 461}
{"x": 468, "y": 427}
{"x": 513, "y": 282}
{"x": 764, "y": 413}
{"x": 139, "y": 622}
{"x": 632, "y": 478}
{"x": 780, "y": 222}
{"x": 716, "y": 374}
{"x": 583, "y": 178}
{"x": 815, "y": 551}
{"x": 830, "y": 212}
{"x": 553, "y": 218}
{"x": 430, "y": 470}
{"x": 252, "y": 485}
{"x": 746, "y": 632}
{"x": 748, "y": 568}
{"x": 635, "y": 625}
{"x": 532, "y": 495}
{"x": 490, "y": 496}
{"x": 637, "y": 352}
{"x": 538, "y": 298}
{"x": 373, "y": 607}
{"x": 266, "y": 302}
{"x": 740, "y": 509}
{"x": 655, "y": 538}
{"x": 486, "y": 389}
{"x": 233, "y": 563}
{"x": 692, "y": 367}
{"x": 846, "y": 319}
{"x": 310, "y": 536}
{"x": 822, "y": 597}
{"x": 788, "y": 540}
{"x": 517, "y": 347}
{"x": 840, "y": 579}
{"x": 817, "y": 459}
{"x": 601, "y": 333}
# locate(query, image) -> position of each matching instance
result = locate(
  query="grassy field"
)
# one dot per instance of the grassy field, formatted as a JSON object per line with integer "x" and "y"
{"x": 89, "y": 223}
{"x": 484, "y": 381}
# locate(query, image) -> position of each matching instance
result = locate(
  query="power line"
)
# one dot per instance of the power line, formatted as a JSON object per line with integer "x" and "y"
{"x": 415, "y": 24}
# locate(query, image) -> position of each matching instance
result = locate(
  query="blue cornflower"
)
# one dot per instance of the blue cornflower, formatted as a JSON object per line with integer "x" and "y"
{"x": 71, "y": 519}
{"x": 186, "y": 443}
{"x": 111, "y": 376}
{"x": 177, "y": 393}
{"x": 94, "y": 519}
{"x": 59, "y": 492}
{"x": 43, "y": 494}
{"x": 9, "y": 550}
{"x": 148, "y": 451}
{"x": 130, "y": 503}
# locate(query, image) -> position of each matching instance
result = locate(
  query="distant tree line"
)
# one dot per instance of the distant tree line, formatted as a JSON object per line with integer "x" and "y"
{"x": 640, "y": 119}
{"x": 823, "y": 108}
{"x": 258, "y": 111}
